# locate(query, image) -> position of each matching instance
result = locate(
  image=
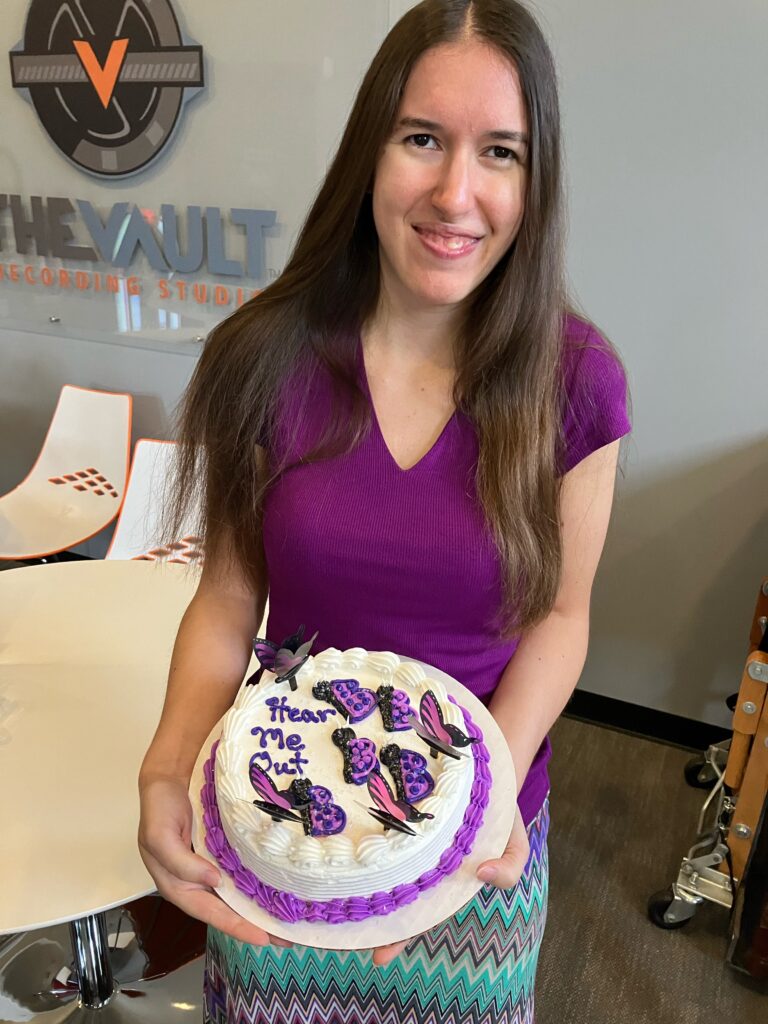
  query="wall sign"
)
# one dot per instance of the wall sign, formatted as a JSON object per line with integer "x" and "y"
{"x": 107, "y": 78}
{"x": 55, "y": 227}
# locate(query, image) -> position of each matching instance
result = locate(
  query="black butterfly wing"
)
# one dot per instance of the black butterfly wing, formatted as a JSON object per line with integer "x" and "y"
{"x": 292, "y": 642}
{"x": 389, "y": 822}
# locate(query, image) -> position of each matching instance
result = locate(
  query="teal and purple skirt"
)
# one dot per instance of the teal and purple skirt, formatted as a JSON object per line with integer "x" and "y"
{"x": 478, "y": 967}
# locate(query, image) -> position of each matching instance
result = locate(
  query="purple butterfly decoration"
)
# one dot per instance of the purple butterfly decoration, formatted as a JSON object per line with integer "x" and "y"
{"x": 285, "y": 660}
{"x": 395, "y": 708}
{"x": 359, "y": 755}
{"x": 348, "y": 697}
{"x": 280, "y": 805}
{"x": 317, "y": 812}
{"x": 325, "y": 817}
{"x": 439, "y": 736}
{"x": 409, "y": 770}
{"x": 391, "y": 813}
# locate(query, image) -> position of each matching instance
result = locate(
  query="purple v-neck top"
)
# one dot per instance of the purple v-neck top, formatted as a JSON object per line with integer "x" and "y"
{"x": 375, "y": 556}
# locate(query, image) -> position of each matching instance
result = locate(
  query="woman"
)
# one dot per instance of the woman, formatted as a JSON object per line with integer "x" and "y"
{"x": 412, "y": 443}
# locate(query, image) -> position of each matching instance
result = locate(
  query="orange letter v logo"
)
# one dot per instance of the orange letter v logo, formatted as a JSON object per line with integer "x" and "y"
{"x": 103, "y": 79}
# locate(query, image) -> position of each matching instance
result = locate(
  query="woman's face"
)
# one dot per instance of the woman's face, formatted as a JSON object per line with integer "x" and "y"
{"x": 449, "y": 189}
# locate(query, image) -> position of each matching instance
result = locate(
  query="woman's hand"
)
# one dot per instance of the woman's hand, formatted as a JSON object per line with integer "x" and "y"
{"x": 503, "y": 872}
{"x": 165, "y": 845}
{"x": 382, "y": 955}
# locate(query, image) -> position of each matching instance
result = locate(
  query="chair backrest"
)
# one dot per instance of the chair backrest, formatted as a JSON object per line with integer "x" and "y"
{"x": 76, "y": 485}
{"x": 88, "y": 442}
{"x": 139, "y": 530}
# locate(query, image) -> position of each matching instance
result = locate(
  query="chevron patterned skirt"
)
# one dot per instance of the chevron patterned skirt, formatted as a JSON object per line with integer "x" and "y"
{"x": 478, "y": 967}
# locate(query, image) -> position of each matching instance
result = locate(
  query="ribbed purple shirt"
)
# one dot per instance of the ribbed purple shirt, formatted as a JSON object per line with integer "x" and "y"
{"x": 374, "y": 556}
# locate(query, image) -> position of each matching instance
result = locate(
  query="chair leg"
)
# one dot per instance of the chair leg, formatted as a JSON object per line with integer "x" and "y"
{"x": 94, "y": 972}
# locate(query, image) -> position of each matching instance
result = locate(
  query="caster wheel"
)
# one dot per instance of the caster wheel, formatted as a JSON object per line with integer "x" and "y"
{"x": 699, "y": 773}
{"x": 658, "y": 905}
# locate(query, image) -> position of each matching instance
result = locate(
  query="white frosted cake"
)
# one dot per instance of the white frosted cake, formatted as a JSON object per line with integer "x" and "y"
{"x": 348, "y": 796}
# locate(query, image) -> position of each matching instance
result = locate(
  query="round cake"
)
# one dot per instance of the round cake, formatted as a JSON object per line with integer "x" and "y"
{"x": 349, "y": 795}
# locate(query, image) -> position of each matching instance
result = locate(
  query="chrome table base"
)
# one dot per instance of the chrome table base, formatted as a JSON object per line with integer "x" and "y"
{"x": 85, "y": 972}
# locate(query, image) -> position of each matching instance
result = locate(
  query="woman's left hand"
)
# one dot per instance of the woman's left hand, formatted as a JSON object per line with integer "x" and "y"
{"x": 504, "y": 872}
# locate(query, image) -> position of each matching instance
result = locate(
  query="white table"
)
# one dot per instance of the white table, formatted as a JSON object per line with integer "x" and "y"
{"x": 84, "y": 654}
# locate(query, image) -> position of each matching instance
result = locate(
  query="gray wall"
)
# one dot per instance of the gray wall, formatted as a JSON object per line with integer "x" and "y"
{"x": 667, "y": 141}
{"x": 665, "y": 132}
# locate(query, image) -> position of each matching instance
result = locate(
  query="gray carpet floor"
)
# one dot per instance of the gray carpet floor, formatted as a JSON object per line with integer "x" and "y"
{"x": 622, "y": 819}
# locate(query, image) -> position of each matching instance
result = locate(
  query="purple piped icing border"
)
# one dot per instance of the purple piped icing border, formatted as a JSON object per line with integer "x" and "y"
{"x": 288, "y": 907}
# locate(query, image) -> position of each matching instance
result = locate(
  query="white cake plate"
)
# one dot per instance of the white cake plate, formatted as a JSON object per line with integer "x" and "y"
{"x": 434, "y": 905}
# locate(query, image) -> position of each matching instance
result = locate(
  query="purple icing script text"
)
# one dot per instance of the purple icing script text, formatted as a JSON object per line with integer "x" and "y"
{"x": 280, "y": 711}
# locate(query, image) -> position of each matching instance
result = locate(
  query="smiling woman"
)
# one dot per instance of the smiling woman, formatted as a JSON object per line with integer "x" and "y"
{"x": 448, "y": 199}
{"x": 410, "y": 441}
{"x": 478, "y": 329}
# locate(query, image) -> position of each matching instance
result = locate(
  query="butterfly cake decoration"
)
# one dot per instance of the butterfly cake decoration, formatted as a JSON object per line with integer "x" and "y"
{"x": 311, "y": 806}
{"x": 285, "y": 660}
{"x": 280, "y": 805}
{"x": 440, "y": 736}
{"x": 392, "y": 812}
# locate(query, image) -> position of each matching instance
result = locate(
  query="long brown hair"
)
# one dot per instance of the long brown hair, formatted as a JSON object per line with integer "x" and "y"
{"x": 508, "y": 357}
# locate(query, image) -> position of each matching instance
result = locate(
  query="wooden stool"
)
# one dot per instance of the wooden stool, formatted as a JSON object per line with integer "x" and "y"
{"x": 746, "y": 772}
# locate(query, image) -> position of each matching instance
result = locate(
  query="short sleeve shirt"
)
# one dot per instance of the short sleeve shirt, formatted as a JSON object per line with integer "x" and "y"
{"x": 375, "y": 556}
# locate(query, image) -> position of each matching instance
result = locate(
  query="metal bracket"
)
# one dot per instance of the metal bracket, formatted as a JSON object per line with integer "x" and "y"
{"x": 699, "y": 880}
{"x": 708, "y": 860}
{"x": 716, "y": 757}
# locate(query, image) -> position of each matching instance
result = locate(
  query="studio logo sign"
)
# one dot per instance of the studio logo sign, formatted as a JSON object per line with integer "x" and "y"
{"x": 107, "y": 78}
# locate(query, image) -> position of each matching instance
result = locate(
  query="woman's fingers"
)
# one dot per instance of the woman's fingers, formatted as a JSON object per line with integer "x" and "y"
{"x": 202, "y": 904}
{"x": 164, "y": 832}
{"x": 505, "y": 871}
{"x": 382, "y": 955}
{"x": 168, "y": 850}
{"x": 206, "y": 906}
{"x": 179, "y": 870}
{"x": 181, "y": 876}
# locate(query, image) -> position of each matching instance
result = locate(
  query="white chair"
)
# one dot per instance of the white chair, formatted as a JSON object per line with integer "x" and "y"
{"x": 139, "y": 530}
{"x": 76, "y": 486}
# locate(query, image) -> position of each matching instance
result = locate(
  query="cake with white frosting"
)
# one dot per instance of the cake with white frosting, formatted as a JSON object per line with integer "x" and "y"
{"x": 349, "y": 795}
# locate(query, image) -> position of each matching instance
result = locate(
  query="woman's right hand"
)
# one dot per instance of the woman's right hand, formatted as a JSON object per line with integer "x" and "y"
{"x": 165, "y": 844}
